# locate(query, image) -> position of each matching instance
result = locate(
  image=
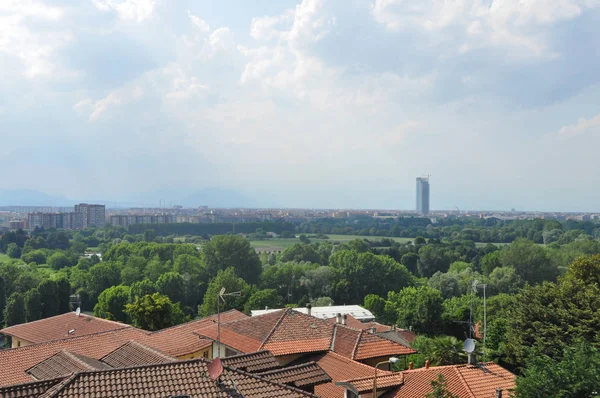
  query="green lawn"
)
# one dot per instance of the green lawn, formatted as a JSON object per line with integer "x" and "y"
{"x": 278, "y": 244}
{"x": 4, "y": 257}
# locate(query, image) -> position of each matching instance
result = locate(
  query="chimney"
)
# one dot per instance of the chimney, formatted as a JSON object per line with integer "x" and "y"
{"x": 472, "y": 359}
{"x": 372, "y": 329}
{"x": 498, "y": 392}
{"x": 309, "y": 309}
{"x": 344, "y": 319}
{"x": 338, "y": 318}
{"x": 427, "y": 364}
{"x": 411, "y": 365}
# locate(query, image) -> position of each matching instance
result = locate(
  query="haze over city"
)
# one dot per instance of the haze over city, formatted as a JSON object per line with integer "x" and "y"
{"x": 302, "y": 104}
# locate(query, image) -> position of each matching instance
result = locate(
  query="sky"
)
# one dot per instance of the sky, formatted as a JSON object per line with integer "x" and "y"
{"x": 313, "y": 103}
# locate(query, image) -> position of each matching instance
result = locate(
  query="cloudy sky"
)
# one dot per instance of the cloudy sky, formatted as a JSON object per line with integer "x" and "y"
{"x": 314, "y": 103}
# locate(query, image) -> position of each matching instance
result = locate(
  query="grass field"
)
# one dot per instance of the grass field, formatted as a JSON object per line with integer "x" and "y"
{"x": 278, "y": 244}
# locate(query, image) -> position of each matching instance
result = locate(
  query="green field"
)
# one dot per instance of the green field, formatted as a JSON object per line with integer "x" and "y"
{"x": 4, "y": 257}
{"x": 278, "y": 244}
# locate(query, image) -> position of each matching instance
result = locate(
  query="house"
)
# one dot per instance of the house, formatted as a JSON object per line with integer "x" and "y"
{"x": 290, "y": 334}
{"x": 59, "y": 327}
{"x": 142, "y": 371}
{"x": 327, "y": 312}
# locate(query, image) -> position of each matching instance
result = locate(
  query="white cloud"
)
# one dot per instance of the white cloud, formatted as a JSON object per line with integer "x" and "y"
{"x": 582, "y": 127}
{"x": 101, "y": 106}
{"x": 199, "y": 23}
{"x": 134, "y": 10}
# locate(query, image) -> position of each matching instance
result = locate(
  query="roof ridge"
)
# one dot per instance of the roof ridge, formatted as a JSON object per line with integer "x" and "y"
{"x": 60, "y": 385}
{"x": 285, "y": 368}
{"x": 355, "y": 349}
{"x": 380, "y": 373}
{"x": 350, "y": 359}
{"x": 464, "y": 382}
{"x": 30, "y": 346}
{"x": 63, "y": 315}
{"x": 259, "y": 377}
{"x": 283, "y": 314}
{"x": 333, "y": 336}
{"x": 206, "y": 318}
{"x": 76, "y": 357}
{"x": 140, "y": 345}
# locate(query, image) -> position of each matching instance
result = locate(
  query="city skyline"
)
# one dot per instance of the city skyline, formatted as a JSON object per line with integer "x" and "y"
{"x": 286, "y": 105}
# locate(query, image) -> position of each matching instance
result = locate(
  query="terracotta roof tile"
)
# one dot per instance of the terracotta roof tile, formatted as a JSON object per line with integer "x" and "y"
{"x": 58, "y": 327}
{"x": 260, "y": 361}
{"x": 365, "y": 384}
{"x": 237, "y": 341}
{"x": 299, "y": 333}
{"x": 28, "y": 390}
{"x": 464, "y": 381}
{"x": 175, "y": 341}
{"x": 133, "y": 353}
{"x": 345, "y": 340}
{"x": 302, "y": 375}
{"x": 178, "y": 378}
{"x": 340, "y": 368}
{"x": 372, "y": 346}
{"x": 62, "y": 364}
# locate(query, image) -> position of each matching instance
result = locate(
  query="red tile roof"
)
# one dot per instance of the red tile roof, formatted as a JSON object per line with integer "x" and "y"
{"x": 365, "y": 384}
{"x": 29, "y": 390}
{"x": 372, "y": 346}
{"x": 464, "y": 381}
{"x": 62, "y": 364}
{"x": 340, "y": 368}
{"x": 175, "y": 341}
{"x": 302, "y": 375}
{"x": 135, "y": 354}
{"x": 260, "y": 361}
{"x": 58, "y": 327}
{"x": 172, "y": 379}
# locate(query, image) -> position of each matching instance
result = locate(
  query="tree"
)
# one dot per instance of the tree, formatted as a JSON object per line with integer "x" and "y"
{"x": 111, "y": 303}
{"x": 304, "y": 239}
{"x": 172, "y": 285}
{"x": 301, "y": 252}
{"x": 263, "y": 298}
{"x": 232, "y": 283}
{"x": 323, "y": 302}
{"x": 58, "y": 260}
{"x": 48, "y": 291}
{"x": 447, "y": 284}
{"x": 13, "y": 250}
{"x": 458, "y": 267}
{"x": 155, "y": 268}
{"x": 154, "y": 312}
{"x": 35, "y": 256}
{"x": 441, "y": 350}
{"x": 33, "y": 305}
{"x": 149, "y": 235}
{"x": 576, "y": 374}
{"x": 102, "y": 276}
{"x": 225, "y": 251}
{"x": 529, "y": 260}
{"x": 410, "y": 261}
{"x": 419, "y": 309}
{"x": 14, "y": 312}
{"x": 375, "y": 304}
{"x": 319, "y": 281}
{"x": 63, "y": 292}
{"x": 585, "y": 269}
{"x": 141, "y": 289}
{"x": 130, "y": 275}
{"x": 440, "y": 388}
{"x": 504, "y": 280}
{"x": 490, "y": 261}
{"x": 432, "y": 258}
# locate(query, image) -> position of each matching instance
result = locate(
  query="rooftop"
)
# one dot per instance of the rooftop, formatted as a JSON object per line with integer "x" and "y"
{"x": 327, "y": 312}
{"x": 61, "y": 326}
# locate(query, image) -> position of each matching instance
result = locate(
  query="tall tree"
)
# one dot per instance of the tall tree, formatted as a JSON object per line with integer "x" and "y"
{"x": 529, "y": 260}
{"x": 225, "y": 251}
{"x": 33, "y": 305}
{"x": 418, "y": 308}
{"x": 232, "y": 283}
{"x": 14, "y": 312}
{"x": 154, "y": 312}
{"x": 111, "y": 303}
{"x": 49, "y": 298}
{"x": 172, "y": 284}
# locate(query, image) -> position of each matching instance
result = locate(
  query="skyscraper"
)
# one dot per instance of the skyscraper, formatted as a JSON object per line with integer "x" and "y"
{"x": 423, "y": 195}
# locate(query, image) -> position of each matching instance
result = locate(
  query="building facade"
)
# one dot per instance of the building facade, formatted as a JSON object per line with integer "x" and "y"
{"x": 92, "y": 214}
{"x": 423, "y": 195}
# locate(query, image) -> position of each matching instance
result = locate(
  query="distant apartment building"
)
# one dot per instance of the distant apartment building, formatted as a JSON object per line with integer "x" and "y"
{"x": 130, "y": 219}
{"x": 423, "y": 195}
{"x": 92, "y": 214}
{"x": 17, "y": 224}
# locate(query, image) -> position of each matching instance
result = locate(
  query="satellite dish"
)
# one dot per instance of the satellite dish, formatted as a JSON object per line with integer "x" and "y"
{"x": 469, "y": 345}
{"x": 78, "y": 311}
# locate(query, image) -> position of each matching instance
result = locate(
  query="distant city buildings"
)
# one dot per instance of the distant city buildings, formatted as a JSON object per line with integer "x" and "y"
{"x": 92, "y": 214}
{"x": 423, "y": 195}
{"x": 84, "y": 215}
